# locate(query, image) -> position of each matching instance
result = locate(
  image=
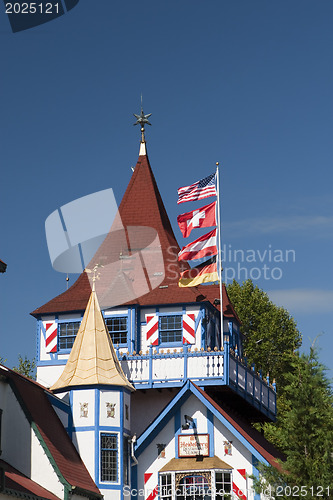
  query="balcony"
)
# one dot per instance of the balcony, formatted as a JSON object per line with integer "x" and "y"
{"x": 162, "y": 368}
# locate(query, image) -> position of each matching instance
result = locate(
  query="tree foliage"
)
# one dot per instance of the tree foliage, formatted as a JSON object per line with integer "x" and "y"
{"x": 26, "y": 367}
{"x": 270, "y": 333}
{"x": 304, "y": 432}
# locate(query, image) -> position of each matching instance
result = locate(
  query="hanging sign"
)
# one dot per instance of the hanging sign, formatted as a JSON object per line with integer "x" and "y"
{"x": 191, "y": 445}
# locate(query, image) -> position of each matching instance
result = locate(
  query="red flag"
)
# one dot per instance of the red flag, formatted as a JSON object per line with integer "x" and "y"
{"x": 201, "y": 189}
{"x": 202, "y": 247}
{"x": 201, "y": 217}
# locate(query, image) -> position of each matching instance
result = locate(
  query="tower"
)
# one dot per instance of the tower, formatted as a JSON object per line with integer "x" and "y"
{"x": 99, "y": 396}
{"x": 194, "y": 397}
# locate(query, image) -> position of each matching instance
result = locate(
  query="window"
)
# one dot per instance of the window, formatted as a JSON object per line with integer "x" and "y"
{"x": 170, "y": 329}
{"x": 67, "y": 333}
{"x": 196, "y": 485}
{"x": 166, "y": 487}
{"x": 117, "y": 327}
{"x": 109, "y": 457}
{"x": 223, "y": 485}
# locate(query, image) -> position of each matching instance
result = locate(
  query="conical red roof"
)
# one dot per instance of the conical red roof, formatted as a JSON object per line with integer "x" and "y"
{"x": 139, "y": 256}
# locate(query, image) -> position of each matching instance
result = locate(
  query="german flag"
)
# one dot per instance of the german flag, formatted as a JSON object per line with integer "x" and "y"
{"x": 204, "y": 273}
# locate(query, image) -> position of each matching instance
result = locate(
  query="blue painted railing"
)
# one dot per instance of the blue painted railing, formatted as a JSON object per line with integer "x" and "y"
{"x": 159, "y": 367}
{"x": 150, "y": 369}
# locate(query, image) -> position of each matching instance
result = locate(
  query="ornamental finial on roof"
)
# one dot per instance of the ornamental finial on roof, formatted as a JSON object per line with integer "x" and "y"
{"x": 142, "y": 120}
{"x": 96, "y": 275}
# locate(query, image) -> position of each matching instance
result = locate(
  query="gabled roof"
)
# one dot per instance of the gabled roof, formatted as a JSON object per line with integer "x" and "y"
{"x": 49, "y": 429}
{"x": 142, "y": 216}
{"x": 250, "y": 437}
{"x": 18, "y": 484}
{"x": 92, "y": 359}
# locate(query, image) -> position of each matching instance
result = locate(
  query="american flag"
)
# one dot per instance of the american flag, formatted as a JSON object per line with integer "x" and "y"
{"x": 199, "y": 190}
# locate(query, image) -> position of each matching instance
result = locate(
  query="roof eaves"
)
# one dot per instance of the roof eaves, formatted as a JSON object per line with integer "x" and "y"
{"x": 256, "y": 449}
{"x": 152, "y": 430}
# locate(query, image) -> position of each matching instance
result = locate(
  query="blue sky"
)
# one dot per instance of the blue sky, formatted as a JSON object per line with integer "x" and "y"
{"x": 245, "y": 83}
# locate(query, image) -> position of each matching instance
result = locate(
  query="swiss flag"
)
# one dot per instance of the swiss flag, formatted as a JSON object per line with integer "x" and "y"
{"x": 201, "y": 217}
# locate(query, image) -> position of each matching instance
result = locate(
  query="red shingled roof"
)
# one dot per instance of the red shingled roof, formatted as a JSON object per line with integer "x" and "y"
{"x": 141, "y": 205}
{"x": 18, "y": 482}
{"x": 34, "y": 401}
{"x": 266, "y": 449}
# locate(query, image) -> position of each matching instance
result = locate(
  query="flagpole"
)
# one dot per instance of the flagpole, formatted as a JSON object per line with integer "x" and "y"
{"x": 219, "y": 247}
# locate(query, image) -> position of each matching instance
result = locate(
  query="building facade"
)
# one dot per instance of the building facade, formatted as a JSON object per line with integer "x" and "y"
{"x": 158, "y": 398}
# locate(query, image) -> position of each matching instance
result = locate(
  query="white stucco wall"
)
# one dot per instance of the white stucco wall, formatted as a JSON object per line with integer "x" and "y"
{"x": 16, "y": 436}
{"x": 49, "y": 374}
{"x": 42, "y": 471}
{"x": 84, "y": 442}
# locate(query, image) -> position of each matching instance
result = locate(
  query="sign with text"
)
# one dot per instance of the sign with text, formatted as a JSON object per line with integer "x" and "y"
{"x": 191, "y": 445}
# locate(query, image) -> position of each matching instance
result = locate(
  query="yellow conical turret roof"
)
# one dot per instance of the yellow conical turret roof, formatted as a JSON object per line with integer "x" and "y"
{"x": 92, "y": 359}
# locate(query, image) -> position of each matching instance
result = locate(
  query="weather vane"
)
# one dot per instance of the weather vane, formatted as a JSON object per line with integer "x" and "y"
{"x": 142, "y": 120}
{"x": 96, "y": 274}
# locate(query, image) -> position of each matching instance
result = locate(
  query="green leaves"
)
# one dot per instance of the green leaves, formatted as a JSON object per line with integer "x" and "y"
{"x": 26, "y": 367}
{"x": 304, "y": 430}
{"x": 270, "y": 333}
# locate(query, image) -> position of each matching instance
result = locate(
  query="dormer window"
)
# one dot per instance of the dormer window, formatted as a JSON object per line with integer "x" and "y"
{"x": 171, "y": 329}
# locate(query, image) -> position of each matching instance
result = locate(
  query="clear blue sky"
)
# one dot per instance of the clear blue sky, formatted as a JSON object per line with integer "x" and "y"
{"x": 245, "y": 83}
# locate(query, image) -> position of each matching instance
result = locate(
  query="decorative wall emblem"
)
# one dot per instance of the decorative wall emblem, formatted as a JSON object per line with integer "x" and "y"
{"x": 110, "y": 410}
{"x": 126, "y": 412}
{"x": 83, "y": 410}
{"x": 227, "y": 447}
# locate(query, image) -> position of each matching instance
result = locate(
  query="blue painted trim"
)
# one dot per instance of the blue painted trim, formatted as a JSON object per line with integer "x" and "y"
{"x": 152, "y": 431}
{"x": 133, "y": 344}
{"x": 226, "y": 373}
{"x": 97, "y": 435}
{"x": 228, "y": 425}
{"x": 177, "y": 423}
{"x": 121, "y": 442}
{"x": 110, "y": 486}
{"x": 54, "y": 362}
{"x": 70, "y": 418}
{"x": 101, "y": 428}
{"x": 203, "y": 328}
{"x": 169, "y": 345}
{"x": 58, "y": 403}
{"x": 39, "y": 335}
{"x": 255, "y": 473}
{"x": 210, "y": 430}
{"x": 138, "y": 330}
{"x": 134, "y": 477}
{"x": 84, "y": 428}
{"x": 105, "y": 387}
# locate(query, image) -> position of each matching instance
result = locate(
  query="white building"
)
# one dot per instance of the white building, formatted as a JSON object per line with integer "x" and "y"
{"x": 165, "y": 414}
